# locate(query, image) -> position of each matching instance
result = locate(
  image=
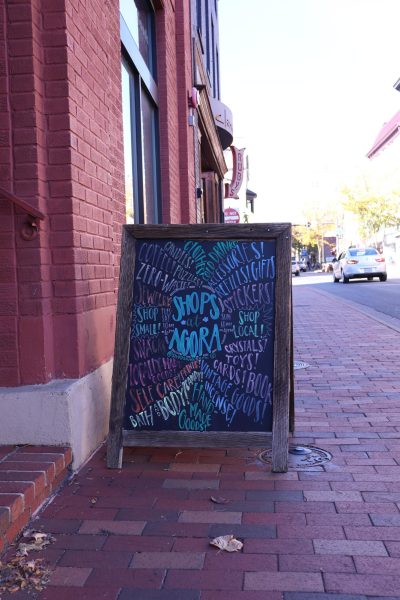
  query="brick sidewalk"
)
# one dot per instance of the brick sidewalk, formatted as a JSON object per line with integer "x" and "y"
{"x": 328, "y": 533}
{"x": 29, "y": 475}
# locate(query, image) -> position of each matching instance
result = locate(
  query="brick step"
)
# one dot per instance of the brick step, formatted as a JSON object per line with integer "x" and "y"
{"x": 28, "y": 477}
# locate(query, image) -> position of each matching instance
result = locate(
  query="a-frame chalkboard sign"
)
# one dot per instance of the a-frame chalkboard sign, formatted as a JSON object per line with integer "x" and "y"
{"x": 203, "y": 347}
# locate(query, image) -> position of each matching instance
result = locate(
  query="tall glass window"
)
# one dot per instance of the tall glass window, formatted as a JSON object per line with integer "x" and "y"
{"x": 149, "y": 158}
{"x": 128, "y": 150}
{"x": 140, "y": 113}
{"x": 139, "y": 18}
{"x": 199, "y": 15}
{"x": 208, "y": 53}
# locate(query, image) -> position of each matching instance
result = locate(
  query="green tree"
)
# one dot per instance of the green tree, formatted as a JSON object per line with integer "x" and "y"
{"x": 319, "y": 219}
{"x": 373, "y": 210}
{"x": 304, "y": 237}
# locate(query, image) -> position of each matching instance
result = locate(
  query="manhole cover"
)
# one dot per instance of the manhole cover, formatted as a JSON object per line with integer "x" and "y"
{"x": 300, "y": 457}
{"x": 300, "y": 364}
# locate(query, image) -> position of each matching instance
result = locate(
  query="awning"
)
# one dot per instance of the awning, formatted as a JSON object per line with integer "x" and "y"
{"x": 388, "y": 132}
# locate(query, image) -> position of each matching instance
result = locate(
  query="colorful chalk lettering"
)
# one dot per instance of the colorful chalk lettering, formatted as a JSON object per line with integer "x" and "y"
{"x": 202, "y": 336}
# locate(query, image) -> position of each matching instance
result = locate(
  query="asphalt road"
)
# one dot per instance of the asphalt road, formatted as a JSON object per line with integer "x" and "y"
{"x": 380, "y": 299}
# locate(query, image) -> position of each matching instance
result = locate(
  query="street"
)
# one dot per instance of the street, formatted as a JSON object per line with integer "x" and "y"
{"x": 380, "y": 299}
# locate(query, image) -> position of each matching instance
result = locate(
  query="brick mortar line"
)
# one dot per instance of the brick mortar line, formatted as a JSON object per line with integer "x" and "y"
{"x": 368, "y": 312}
{"x": 49, "y": 499}
{"x": 44, "y": 473}
{"x": 7, "y": 456}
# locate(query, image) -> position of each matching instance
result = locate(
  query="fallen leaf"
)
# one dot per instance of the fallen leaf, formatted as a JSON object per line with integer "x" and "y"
{"x": 37, "y": 541}
{"x": 23, "y": 549}
{"x": 41, "y": 538}
{"x": 28, "y": 533}
{"x": 21, "y": 574}
{"x": 219, "y": 500}
{"x": 227, "y": 542}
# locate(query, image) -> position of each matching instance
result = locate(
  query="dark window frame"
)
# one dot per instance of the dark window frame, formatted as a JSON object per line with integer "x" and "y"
{"x": 142, "y": 80}
{"x": 199, "y": 16}
{"x": 208, "y": 50}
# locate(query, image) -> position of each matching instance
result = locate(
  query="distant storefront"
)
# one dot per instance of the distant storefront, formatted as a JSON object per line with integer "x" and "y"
{"x": 384, "y": 155}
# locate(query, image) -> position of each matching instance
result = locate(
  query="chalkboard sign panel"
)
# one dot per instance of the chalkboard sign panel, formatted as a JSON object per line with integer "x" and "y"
{"x": 203, "y": 338}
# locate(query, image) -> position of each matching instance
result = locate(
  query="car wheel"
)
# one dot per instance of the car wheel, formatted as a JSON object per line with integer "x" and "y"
{"x": 383, "y": 277}
{"x": 344, "y": 278}
{"x": 370, "y": 278}
{"x": 297, "y": 273}
{"x": 335, "y": 279}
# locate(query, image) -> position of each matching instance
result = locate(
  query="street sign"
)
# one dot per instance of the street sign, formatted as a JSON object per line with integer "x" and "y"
{"x": 231, "y": 215}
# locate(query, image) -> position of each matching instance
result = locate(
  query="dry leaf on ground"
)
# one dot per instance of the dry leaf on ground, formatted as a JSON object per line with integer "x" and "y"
{"x": 219, "y": 500}
{"x": 19, "y": 574}
{"x": 36, "y": 541}
{"x": 227, "y": 542}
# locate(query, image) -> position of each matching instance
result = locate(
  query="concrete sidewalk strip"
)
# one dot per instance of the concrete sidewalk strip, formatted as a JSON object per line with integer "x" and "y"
{"x": 325, "y": 532}
{"x": 117, "y": 527}
{"x": 168, "y": 560}
{"x": 216, "y": 516}
{"x": 305, "y": 582}
{"x": 191, "y": 484}
{"x": 378, "y": 584}
{"x": 70, "y": 576}
{"x": 350, "y": 547}
{"x": 334, "y": 496}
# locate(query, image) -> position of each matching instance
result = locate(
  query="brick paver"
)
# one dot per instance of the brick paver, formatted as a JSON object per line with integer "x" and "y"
{"x": 330, "y": 532}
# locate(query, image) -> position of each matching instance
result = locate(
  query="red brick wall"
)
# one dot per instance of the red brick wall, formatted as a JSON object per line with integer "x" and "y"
{"x": 61, "y": 150}
{"x": 60, "y": 99}
{"x": 168, "y": 113}
{"x": 84, "y": 290}
{"x": 176, "y": 136}
{"x": 24, "y": 308}
{"x": 8, "y": 274}
{"x": 186, "y": 140}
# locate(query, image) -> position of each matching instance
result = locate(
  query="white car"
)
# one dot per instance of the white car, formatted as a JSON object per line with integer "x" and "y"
{"x": 303, "y": 264}
{"x": 295, "y": 267}
{"x": 356, "y": 263}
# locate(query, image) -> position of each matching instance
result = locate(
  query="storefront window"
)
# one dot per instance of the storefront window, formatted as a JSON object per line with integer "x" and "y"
{"x": 141, "y": 154}
{"x": 139, "y": 18}
{"x": 128, "y": 157}
{"x": 140, "y": 112}
{"x": 149, "y": 139}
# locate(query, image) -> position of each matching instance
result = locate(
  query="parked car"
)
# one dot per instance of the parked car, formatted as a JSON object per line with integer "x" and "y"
{"x": 327, "y": 266}
{"x": 295, "y": 267}
{"x": 356, "y": 263}
{"x": 303, "y": 264}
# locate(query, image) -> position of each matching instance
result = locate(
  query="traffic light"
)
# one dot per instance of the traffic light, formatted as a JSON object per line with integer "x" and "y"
{"x": 308, "y": 224}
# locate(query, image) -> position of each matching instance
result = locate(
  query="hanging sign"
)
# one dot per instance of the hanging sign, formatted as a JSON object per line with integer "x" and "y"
{"x": 232, "y": 189}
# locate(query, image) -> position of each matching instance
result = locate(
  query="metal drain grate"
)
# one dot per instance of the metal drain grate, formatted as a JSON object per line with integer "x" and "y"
{"x": 300, "y": 364}
{"x": 300, "y": 457}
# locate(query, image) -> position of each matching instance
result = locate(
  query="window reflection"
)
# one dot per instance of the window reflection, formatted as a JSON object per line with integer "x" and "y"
{"x": 127, "y": 137}
{"x": 149, "y": 159}
{"x": 139, "y": 17}
{"x": 140, "y": 134}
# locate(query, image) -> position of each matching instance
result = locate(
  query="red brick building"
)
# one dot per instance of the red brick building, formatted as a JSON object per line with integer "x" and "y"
{"x": 100, "y": 124}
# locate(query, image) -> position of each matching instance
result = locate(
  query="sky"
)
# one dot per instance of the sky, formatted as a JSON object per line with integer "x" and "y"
{"x": 310, "y": 84}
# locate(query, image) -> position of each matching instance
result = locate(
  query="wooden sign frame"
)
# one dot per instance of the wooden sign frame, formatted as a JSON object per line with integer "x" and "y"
{"x": 282, "y": 409}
